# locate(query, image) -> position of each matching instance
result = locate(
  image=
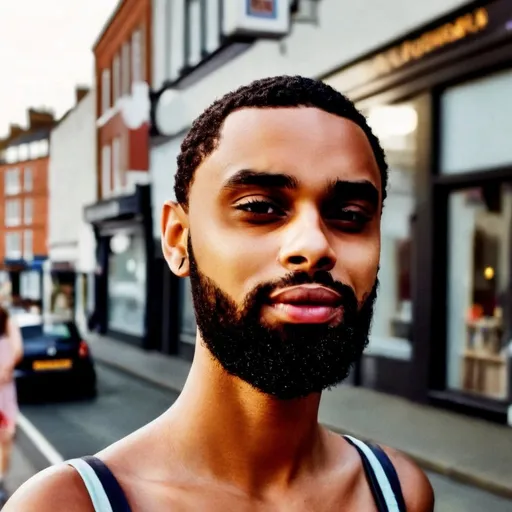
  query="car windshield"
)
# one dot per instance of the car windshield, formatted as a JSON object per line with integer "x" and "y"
{"x": 57, "y": 330}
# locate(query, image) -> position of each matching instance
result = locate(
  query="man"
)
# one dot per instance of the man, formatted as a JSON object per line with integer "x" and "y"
{"x": 280, "y": 187}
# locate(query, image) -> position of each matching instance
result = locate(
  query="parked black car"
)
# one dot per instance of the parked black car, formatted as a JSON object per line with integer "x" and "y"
{"x": 56, "y": 359}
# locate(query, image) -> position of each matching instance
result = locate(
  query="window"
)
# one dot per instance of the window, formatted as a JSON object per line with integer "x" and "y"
{"x": 12, "y": 212}
{"x": 116, "y": 70}
{"x": 44, "y": 148}
{"x": 105, "y": 90}
{"x": 194, "y": 32}
{"x": 137, "y": 56}
{"x": 479, "y": 290}
{"x": 13, "y": 245}
{"x": 396, "y": 126}
{"x": 106, "y": 172}
{"x": 34, "y": 150}
{"x": 12, "y": 182}
{"x": 125, "y": 69}
{"x": 116, "y": 164}
{"x": 28, "y": 251}
{"x": 23, "y": 152}
{"x": 28, "y": 179}
{"x": 11, "y": 155}
{"x": 28, "y": 211}
{"x": 476, "y": 122}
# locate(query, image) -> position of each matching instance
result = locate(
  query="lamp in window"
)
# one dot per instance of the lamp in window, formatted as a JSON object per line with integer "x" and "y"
{"x": 119, "y": 243}
{"x": 393, "y": 120}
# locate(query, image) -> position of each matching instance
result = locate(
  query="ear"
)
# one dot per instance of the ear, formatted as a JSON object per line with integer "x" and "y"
{"x": 174, "y": 225}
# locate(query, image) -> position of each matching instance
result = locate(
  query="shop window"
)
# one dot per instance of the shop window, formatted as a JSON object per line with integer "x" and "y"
{"x": 127, "y": 283}
{"x": 396, "y": 128}
{"x": 476, "y": 122}
{"x": 479, "y": 323}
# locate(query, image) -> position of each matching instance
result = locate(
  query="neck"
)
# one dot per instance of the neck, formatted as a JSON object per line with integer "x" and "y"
{"x": 226, "y": 429}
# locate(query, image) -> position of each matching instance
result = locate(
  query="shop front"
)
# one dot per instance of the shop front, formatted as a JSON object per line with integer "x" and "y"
{"x": 122, "y": 288}
{"x": 440, "y": 101}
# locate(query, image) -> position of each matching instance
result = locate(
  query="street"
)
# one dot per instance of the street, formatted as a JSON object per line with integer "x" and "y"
{"x": 125, "y": 403}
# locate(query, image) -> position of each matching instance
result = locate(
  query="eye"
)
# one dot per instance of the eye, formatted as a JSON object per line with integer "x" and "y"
{"x": 260, "y": 207}
{"x": 349, "y": 219}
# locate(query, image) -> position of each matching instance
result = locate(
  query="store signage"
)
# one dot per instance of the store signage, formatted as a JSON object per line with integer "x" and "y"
{"x": 432, "y": 40}
{"x": 101, "y": 211}
{"x": 483, "y": 26}
{"x": 256, "y": 18}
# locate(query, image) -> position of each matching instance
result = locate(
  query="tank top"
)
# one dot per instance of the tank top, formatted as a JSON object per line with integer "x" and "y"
{"x": 107, "y": 496}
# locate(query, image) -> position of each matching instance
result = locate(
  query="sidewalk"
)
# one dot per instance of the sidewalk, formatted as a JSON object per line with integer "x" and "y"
{"x": 20, "y": 471}
{"x": 469, "y": 450}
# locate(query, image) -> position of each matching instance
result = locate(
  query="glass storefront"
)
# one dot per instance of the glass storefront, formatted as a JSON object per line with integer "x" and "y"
{"x": 480, "y": 290}
{"x": 127, "y": 283}
{"x": 475, "y": 123}
{"x": 397, "y": 128}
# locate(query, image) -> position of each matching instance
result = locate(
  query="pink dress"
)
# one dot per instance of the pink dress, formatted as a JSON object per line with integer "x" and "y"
{"x": 8, "y": 399}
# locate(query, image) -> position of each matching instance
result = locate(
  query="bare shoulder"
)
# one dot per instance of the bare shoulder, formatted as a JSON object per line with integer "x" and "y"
{"x": 416, "y": 487}
{"x": 56, "y": 489}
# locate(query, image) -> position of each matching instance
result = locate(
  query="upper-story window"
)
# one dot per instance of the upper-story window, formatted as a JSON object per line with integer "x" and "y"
{"x": 12, "y": 212}
{"x": 138, "y": 56}
{"x": 116, "y": 72}
{"x": 28, "y": 179}
{"x": 125, "y": 69}
{"x": 12, "y": 184}
{"x": 23, "y": 152}
{"x": 105, "y": 90}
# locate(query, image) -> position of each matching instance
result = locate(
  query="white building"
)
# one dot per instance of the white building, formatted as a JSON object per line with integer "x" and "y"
{"x": 72, "y": 185}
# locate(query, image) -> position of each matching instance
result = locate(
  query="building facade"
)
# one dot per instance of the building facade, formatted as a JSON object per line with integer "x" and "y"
{"x": 72, "y": 183}
{"x": 430, "y": 77}
{"x": 24, "y": 208}
{"x": 120, "y": 216}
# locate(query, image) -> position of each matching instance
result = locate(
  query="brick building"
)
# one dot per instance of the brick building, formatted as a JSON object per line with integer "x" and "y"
{"x": 121, "y": 219}
{"x": 24, "y": 162}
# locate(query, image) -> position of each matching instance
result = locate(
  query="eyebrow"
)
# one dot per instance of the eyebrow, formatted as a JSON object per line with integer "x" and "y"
{"x": 339, "y": 190}
{"x": 342, "y": 190}
{"x": 248, "y": 178}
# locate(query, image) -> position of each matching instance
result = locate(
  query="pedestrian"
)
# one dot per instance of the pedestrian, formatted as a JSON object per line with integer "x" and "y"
{"x": 11, "y": 352}
{"x": 279, "y": 190}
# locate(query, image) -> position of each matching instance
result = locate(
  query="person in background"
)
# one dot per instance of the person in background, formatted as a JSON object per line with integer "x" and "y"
{"x": 11, "y": 352}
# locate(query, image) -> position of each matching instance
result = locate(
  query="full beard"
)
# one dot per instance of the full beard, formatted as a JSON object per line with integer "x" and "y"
{"x": 289, "y": 361}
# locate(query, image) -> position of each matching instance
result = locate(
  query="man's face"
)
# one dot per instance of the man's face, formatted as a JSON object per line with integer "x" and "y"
{"x": 283, "y": 245}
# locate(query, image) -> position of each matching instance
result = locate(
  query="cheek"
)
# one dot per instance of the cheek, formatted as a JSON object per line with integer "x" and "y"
{"x": 236, "y": 262}
{"x": 358, "y": 263}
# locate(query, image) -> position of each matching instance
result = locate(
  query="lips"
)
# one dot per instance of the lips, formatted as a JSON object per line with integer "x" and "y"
{"x": 308, "y": 304}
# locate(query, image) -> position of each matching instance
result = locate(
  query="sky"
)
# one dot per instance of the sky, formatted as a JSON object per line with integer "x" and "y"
{"x": 45, "y": 52}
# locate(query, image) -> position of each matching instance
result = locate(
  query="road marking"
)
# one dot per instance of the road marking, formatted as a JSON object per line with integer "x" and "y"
{"x": 41, "y": 443}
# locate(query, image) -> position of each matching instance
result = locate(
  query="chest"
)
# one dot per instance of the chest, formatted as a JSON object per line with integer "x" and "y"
{"x": 319, "y": 497}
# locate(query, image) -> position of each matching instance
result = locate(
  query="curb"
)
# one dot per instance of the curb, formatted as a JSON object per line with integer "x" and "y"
{"x": 451, "y": 472}
{"x": 35, "y": 446}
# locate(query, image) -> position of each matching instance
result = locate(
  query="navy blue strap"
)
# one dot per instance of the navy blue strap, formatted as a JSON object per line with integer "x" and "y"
{"x": 378, "y": 497}
{"x": 111, "y": 486}
{"x": 391, "y": 473}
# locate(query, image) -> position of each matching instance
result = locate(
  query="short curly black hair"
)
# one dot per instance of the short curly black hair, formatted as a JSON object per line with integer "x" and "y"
{"x": 274, "y": 92}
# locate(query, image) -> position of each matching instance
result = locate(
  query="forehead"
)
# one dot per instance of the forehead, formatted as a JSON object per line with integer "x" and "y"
{"x": 312, "y": 145}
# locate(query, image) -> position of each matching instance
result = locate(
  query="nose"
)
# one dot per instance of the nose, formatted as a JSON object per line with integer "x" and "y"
{"x": 306, "y": 247}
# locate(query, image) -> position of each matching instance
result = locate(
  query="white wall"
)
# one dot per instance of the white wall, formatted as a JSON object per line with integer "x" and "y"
{"x": 162, "y": 168}
{"x": 72, "y": 184}
{"x": 346, "y": 31}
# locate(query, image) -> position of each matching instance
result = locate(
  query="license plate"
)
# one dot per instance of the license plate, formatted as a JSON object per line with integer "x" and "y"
{"x": 55, "y": 364}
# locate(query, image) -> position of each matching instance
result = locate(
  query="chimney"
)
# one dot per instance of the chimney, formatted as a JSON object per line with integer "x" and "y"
{"x": 40, "y": 119}
{"x": 14, "y": 131}
{"x": 81, "y": 93}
